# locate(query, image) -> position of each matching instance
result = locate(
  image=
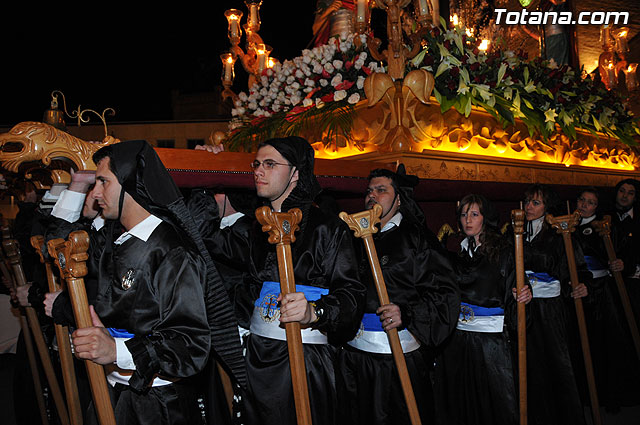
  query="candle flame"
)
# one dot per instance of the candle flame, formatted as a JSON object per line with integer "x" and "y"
{"x": 484, "y": 45}
{"x": 454, "y": 19}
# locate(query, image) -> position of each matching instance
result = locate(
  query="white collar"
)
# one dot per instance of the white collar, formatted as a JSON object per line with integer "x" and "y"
{"x": 464, "y": 246}
{"x": 629, "y": 213}
{"x": 142, "y": 230}
{"x": 98, "y": 222}
{"x": 229, "y": 220}
{"x": 587, "y": 220}
{"x": 393, "y": 221}
{"x": 536, "y": 226}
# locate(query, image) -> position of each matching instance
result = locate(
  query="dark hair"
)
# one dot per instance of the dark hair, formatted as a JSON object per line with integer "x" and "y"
{"x": 590, "y": 189}
{"x": 490, "y": 238}
{"x": 633, "y": 182}
{"x": 383, "y": 172}
{"x": 549, "y": 197}
{"x": 102, "y": 153}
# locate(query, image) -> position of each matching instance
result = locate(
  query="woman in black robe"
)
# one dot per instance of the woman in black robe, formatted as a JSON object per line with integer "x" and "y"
{"x": 474, "y": 372}
{"x": 553, "y": 396}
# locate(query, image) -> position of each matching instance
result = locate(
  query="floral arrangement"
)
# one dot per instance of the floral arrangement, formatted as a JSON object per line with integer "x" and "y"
{"x": 311, "y": 94}
{"x": 508, "y": 85}
{"x": 314, "y": 94}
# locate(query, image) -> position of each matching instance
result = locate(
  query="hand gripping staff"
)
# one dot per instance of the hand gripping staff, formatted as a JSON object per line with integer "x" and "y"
{"x": 565, "y": 225}
{"x": 71, "y": 257}
{"x": 604, "y": 229}
{"x": 281, "y": 227}
{"x": 517, "y": 220}
{"x": 363, "y": 225}
{"x": 64, "y": 345}
{"x": 12, "y": 251}
{"x": 28, "y": 343}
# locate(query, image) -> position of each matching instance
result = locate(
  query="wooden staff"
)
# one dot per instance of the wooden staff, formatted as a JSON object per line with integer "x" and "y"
{"x": 565, "y": 225}
{"x": 363, "y": 225}
{"x": 281, "y": 228}
{"x": 71, "y": 257}
{"x": 64, "y": 345}
{"x": 12, "y": 252}
{"x": 517, "y": 219}
{"x": 604, "y": 229}
{"x": 31, "y": 354}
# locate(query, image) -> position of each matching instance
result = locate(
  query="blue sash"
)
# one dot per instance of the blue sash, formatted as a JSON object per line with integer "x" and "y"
{"x": 120, "y": 333}
{"x": 593, "y": 263}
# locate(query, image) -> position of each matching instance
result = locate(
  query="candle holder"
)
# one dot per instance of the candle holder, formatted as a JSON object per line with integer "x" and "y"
{"x": 631, "y": 77}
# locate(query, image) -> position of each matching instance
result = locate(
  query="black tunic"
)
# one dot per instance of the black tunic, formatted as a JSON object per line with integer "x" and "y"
{"x": 323, "y": 257}
{"x": 552, "y": 391}
{"x": 420, "y": 280}
{"x": 474, "y": 372}
{"x": 164, "y": 307}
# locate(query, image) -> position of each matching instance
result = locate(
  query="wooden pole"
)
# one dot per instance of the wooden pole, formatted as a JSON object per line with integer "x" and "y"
{"x": 363, "y": 225}
{"x": 31, "y": 354}
{"x": 12, "y": 252}
{"x": 281, "y": 228}
{"x": 604, "y": 229}
{"x": 565, "y": 225}
{"x": 517, "y": 219}
{"x": 64, "y": 345}
{"x": 71, "y": 257}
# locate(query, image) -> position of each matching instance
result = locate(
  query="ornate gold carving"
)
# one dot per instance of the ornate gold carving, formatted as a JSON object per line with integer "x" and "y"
{"x": 42, "y": 142}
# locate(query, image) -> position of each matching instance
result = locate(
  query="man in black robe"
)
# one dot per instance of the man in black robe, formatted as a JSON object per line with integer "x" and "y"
{"x": 330, "y": 297}
{"x": 158, "y": 294}
{"x": 424, "y": 308}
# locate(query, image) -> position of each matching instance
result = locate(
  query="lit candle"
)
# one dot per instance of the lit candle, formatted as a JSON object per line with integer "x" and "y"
{"x": 227, "y": 61}
{"x": 254, "y": 17}
{"x": 454, "y": 20}
{"x": 622, "y": 46}
{"x": 234, "y": 16}
{"x": 361, "y": 10}
{"x": 631, "y": 77}
{"x": 484, "y": 46}
{"x": 262, "y": 53}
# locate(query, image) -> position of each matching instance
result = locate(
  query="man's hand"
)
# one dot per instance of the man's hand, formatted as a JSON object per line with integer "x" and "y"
{"x": 95, "y": 343}
{"x": 294, "y": 307}
{"x": 82, "y": 180}
{"x": 390, "y": 316}
{"x": 580, "y": 291}
{"x": 22, "y": 294}
{"x": 49, "y": 300}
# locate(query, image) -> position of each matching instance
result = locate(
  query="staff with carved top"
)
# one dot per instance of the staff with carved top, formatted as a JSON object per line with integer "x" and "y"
{"x": 604, "y": 229}
{"x": 565, "y": 225}
{"x": 28, "y": 342}
{"x": 64, "y": 346}
{"x": 70, "y": 257}
{"x": 328, "y": 298}
{"x": 12, "y": 252}
{"x": 412, "y": 305}
{"x": 281, "y": 228}
{"x": 517, "y": 220}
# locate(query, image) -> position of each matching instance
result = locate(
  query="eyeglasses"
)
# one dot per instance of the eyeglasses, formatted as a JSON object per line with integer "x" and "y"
{"x": 268, "y": 164}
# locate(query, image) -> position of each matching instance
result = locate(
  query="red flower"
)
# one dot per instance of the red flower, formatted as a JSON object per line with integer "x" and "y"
{"x": 455, "y": 71}
{"x": 367, "y": 70}
{"x": 345, "y": 85}
{"x": 293, "y": 114}
{"x": 348, "y": 65}
{"x": 447, "y": 44}
{"x": 474, "y": 66}
{"x": 325, "y": 74}
{"x": 327, "y": 97}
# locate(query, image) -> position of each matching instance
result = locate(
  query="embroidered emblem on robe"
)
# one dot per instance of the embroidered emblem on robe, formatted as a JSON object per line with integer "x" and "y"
{"x": 466, "y": 314}
{"x": 128, "y": 279}
{"x": 587, "y": 231}
{"x": 384, "y": 260}
{"x": 269, "y": 308}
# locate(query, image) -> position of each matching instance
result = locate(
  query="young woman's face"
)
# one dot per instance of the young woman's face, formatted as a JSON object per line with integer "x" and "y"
{"x": 471, "y": 220}
{"x": 534, "y": 207}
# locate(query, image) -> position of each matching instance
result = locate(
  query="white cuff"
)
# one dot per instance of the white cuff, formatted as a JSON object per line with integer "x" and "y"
{"x": 69, "y": 206}
{"x": 124, "y": 360}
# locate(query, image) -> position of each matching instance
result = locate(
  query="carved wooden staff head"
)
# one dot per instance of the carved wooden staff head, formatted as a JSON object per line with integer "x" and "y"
{"x": 363, "y": 223}
{"x": 603, "y": 227}
{"x": 564, "y": 223}
{"x": 281, "y": 226}
{"x": 517, "y": 221}
{"x": 71, "y": 255}
{"x": 37, "y": 242}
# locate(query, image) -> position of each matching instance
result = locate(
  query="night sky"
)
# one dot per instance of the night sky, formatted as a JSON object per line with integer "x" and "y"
{"x": 108, "y": 56}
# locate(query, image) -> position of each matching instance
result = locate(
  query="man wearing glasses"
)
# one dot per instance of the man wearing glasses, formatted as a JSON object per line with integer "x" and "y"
{"x": 330, "y": 299}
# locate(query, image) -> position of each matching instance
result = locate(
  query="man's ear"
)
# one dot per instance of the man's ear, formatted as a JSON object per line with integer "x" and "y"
{"x": 295, "y": 176}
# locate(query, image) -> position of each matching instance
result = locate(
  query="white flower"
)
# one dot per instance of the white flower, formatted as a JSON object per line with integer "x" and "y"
{"x": 550, "y": 115}
{"x": 360, "y": 82}
{"x": 299, "y": 73}
{"x": 329, "y": 68}
{"x": 337, "y": 79}
{"x": 319, "y": 103}
{"x": 339, "y": 95}
{"x": 290, "y": 79}
{"x": 242, "y": 96}
{"x": 317, "y": 69}
{"x": 337, "y": 64}
{"x": 324, "y": 82}
{"x": 309, "y": 82}
{"x": 307, "y": 102}
{"x": 295, "y": 99}
{"x": 252, "y": 105}
{"x": 354, "y": 98}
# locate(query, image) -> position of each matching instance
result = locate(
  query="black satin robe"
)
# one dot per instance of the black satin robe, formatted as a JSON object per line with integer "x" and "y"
{"x": 474, "y": 380}
{"x": 553, "y": 396}
{"x": 323, "y": 256}
{"x": 164, "y": 307}
{"x": 615, "y": 363}
{"x": 420, "y": 280}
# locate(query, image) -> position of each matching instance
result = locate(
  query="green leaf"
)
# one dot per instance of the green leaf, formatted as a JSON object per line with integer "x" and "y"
{"x": 501, "y": 72}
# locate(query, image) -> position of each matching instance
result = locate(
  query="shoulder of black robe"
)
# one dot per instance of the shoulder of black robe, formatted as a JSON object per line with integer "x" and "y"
{"x": 144, "y": 177}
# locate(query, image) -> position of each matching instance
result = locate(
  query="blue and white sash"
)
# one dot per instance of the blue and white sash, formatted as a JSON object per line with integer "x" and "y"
{"x": 596, "y": 268}
{"x": 266, "y": 314}
{"x": 373, "y": 339}
{"x": 543, "y": 285}
{"x": 474, "y": 318}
